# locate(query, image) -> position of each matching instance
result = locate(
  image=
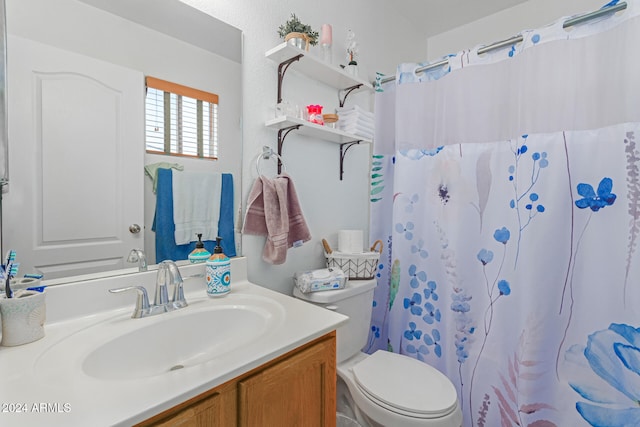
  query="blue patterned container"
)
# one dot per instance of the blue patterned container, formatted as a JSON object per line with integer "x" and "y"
{"x": 218, "y": 271}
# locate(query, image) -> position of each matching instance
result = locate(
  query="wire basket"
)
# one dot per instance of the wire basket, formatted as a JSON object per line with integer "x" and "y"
{"x": 356, "y": 266}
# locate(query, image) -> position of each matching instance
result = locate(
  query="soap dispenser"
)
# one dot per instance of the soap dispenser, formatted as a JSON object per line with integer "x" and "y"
{"x": 218, "y": 272}
{"x": 199, "y": 254}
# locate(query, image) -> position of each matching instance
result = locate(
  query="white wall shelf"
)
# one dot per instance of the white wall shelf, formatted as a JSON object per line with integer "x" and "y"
{"x": 314, "y": 130}
{"x": 285, "y": 55}
{"x": 285, "y": 124}
{"x": 316, "y": 68}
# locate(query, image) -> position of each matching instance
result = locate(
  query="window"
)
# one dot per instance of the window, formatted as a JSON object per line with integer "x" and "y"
{"x": 180, "y": 121}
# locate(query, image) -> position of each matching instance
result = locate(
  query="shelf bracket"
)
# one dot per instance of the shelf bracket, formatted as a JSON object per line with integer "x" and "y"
{"x": 346, "y": 92}
{"x": 282, "y": 134}
{"x": 343, "y": 151}
{"x": 282, "y": 69}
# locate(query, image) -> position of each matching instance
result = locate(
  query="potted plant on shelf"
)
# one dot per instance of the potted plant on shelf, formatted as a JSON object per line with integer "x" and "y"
{"x": 300, "y": 35}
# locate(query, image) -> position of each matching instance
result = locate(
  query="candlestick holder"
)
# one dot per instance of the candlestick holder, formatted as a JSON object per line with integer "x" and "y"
{"x": 326, "y": 39}
{"x": 327, "y": 55}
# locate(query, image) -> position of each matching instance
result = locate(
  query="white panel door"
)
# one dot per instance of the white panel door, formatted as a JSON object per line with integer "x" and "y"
{"x": 76, "y": 153}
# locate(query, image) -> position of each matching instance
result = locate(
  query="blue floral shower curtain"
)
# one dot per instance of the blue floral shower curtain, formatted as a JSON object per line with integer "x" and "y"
{"x": 506, "y": 188}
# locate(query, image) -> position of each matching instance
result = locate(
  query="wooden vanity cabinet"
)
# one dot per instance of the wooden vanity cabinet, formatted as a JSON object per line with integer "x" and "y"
{"x": 213, "y": 408}
{"x": 295, "y": 389}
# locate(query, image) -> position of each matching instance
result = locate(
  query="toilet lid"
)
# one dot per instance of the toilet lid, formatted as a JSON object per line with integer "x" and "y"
{"x": 405, "y": 385}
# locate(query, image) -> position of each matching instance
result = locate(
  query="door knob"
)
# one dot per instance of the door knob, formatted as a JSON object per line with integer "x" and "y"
{"x": 134, "y": 229}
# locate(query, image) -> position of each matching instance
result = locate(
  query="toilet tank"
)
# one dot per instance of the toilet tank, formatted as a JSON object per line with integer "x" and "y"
{"x": 355, "y": 300}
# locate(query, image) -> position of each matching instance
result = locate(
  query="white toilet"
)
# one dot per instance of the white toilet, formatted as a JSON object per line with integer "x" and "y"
{"x": 383, "y": 389}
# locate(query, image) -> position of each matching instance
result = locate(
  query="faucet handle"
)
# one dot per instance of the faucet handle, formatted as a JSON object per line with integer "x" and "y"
{"x": 142, "y": 308}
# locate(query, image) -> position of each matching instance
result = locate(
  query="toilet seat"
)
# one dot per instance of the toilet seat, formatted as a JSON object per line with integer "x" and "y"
{"x": 405, "y": 385}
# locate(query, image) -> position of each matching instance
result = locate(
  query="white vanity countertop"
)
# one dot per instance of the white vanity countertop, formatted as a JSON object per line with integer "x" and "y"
{"x": 37, "y": 391}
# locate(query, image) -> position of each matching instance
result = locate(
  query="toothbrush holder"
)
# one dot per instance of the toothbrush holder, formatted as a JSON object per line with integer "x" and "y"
{"x": 22, "y": 318}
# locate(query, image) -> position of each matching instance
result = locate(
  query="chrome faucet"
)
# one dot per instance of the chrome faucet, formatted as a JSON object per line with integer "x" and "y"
{"x": 168, "y": 274}
{"x": 177, "y": 298}
{"x": 137, "y": 255}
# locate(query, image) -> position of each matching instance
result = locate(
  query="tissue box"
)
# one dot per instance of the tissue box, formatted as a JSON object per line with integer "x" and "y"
{"x": 324, "y": 279}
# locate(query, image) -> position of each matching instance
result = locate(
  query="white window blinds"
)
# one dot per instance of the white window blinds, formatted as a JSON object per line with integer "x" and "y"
{"x": 180, "y": 121}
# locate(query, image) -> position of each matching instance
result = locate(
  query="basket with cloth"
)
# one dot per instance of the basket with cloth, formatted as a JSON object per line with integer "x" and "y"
{"x": 357, "y": 266}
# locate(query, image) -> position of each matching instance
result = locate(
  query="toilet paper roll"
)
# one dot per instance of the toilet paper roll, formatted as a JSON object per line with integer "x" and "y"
{"x": 350, "y": 241}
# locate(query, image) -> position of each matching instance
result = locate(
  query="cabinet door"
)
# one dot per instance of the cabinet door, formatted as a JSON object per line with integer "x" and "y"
{"x": 212, "y": 409}
{"x": 298, "y": 391}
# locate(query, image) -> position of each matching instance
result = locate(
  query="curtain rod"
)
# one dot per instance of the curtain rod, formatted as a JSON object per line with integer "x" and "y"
{"x": 518, "y": 38}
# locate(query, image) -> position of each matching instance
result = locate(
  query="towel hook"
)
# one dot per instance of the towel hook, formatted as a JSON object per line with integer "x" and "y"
{"x": 267, "y": 152}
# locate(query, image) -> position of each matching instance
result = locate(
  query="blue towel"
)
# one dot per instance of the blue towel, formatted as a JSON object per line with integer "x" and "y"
{"x": 163, "y": 225}
{"x": 226, "y": 227}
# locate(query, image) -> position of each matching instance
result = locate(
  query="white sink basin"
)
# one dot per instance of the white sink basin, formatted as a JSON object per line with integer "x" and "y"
{"x": 122, "y": 348}
{"x": 175, "y": 343}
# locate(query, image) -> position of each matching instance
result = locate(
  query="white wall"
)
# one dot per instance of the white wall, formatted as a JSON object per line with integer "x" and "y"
{"x": 328, "y": 203}
{"x": 502, "y": 25}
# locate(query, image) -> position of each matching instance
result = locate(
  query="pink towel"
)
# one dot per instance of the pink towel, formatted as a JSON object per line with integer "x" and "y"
{"x": 274, "y": 211}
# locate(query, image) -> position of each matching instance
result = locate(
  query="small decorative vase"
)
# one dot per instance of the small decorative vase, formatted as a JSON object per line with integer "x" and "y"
{"x": 352, "y": 69}
{"x": 299, "y": 40}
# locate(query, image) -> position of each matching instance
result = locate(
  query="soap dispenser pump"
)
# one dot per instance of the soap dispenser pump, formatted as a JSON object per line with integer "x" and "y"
{"x": 218, "y": 272}
{"x": 199, "y": 254}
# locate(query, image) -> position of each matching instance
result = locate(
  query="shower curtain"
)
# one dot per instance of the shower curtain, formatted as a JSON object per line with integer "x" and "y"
{"x": 506, "y": 187}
